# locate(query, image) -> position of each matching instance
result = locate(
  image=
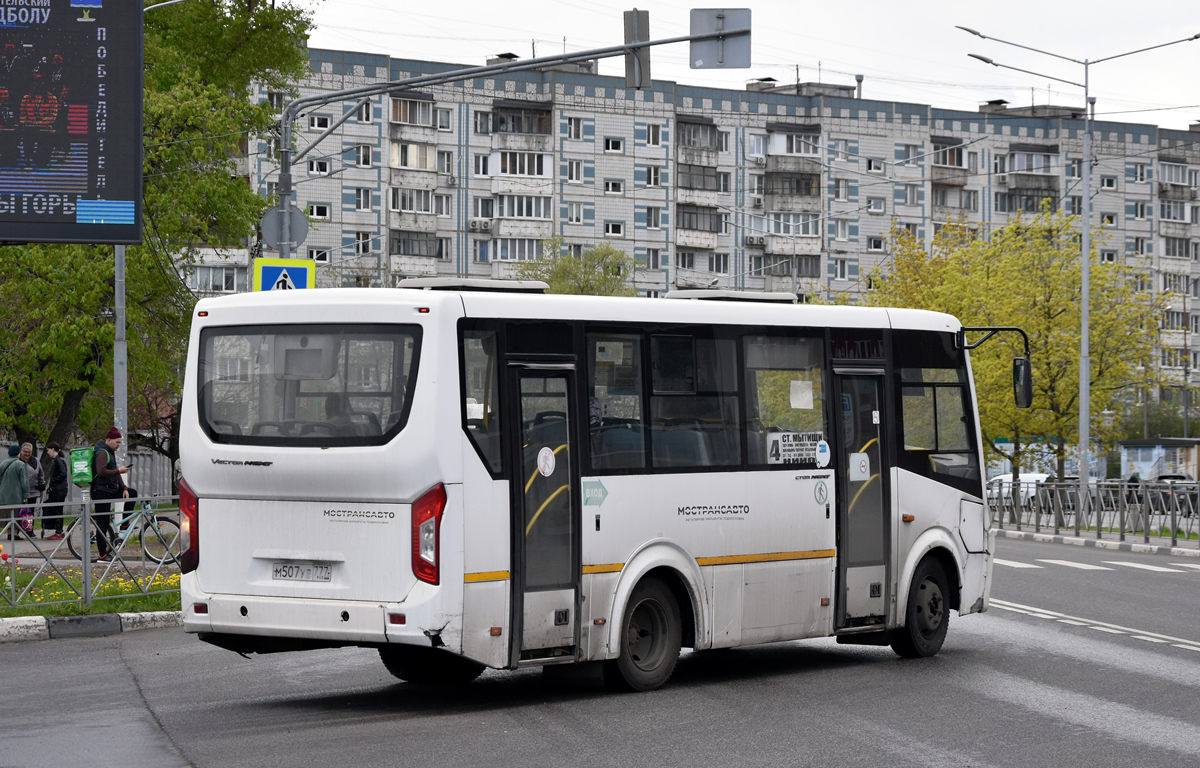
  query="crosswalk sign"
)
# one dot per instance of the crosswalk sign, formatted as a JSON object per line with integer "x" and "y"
{"x": 284, "y": 274}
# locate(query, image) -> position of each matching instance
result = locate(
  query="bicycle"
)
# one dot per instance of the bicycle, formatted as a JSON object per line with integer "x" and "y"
{"x": 159, "y": 536}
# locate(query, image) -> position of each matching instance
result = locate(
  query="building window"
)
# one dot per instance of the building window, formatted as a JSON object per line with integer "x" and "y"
{"x": 483, "y": 207}
{"x": 653, "y": 217}
{"x": 1173, "y": 210}
{"x": 318, "y": 211}
{"x": 723, "y": 181}
{"x": 318, "y": 167}
{"x": 1173, "y": 173}
{"x": 441, "y": 205}
{"x": 685, "y": 260}
{"x": 483, "y": 123}
{"x": 575, "y": 128}
{"x": 876, "y": 205}
{"x": 837, "y": 150}
{"x": 412, "y": 112}
{"x": 948, "y": 154}
{"x": 362, "y": 243}
{"x": 802, "y": 224}
{"x": 725, "y": 224}
{"x": 479, "y": 249}
{"x": 362, "y": 199}
{"x": 912, "y": 194}
{"x": 362, "y": 155}
{"x": 1073, "y": 205}
{"x": 614, "y": 145}
{"x": 968, "y": 199}
{"x": 419, "y": 244}
{"x": 517, "y": 120}
{"x": 756, "y": 144}
{"x": 719, "y": 263}
{"x": 412, "y": 200}
{"x": 522, "y": 164}
{"x": 874, "y": 165}
{"x": 1177, "y": 247}
{"x": 875, "y": 244}
{"x": 523, "y": 207}
{"x": 800, "y": 144}
{"x": 839, "y": 268}
{"x": 218, "y": 279}
{"x": 575, "y": 171}
{"x": 695, "y": 135}
{"x": 422, "y": 157}
{"x": 442, "y": 118}
{"x": 574, "y": 213}
{"x": 1108, "y": 257}
{"x": 696, "y": 177}
{"x": 939, "y": 196}
{"x": 318, "y": 122}
{"x": 653, "y": 176}
{"x": 445, "y": 161}
{"x": 277, "y": 100}
{"x": 273, "y": 190}
{"x": 1108, "y": 182}
{"x": 1000, "y": 164}
{"x": 722, "y": 141}
{"x": 842, "y": 229}
{"x": 575, "y": 250}
{"x": 758, "y": 184}
{"x": 841, "y": 189}
{"x": 614, "y": 229}
{"x": 1140, "y": 209}
{"x": 1139, "y": 246}
{"x": 319, "y": 255}
{"x": 614, "y": 187}
{"x": 518, "y": 249}
{"x": 1030, "y": 162}
{"x": 653, "y": 256}
{"x": 913, "y": 229}
{"x": 653, "y": 135}
{"x": 911, "y": 153}
{"x": 1139, "y": 171}
{"x": 481, "y": 165}
{"x": 364, "y": 113}
{"x": 697, "y": 218}
{"x": 973, "y": 162}
{"x": 1108, "y": 219}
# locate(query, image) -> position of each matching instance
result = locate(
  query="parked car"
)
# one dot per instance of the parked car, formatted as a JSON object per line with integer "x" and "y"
{"x": 1175, "y": 488}
{"x": 1000, "y": 487}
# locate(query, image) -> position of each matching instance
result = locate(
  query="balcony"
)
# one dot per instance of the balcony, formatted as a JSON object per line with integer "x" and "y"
{"x": 1019, "y": 181}
{"x": 1168, "y": 191}
{"x": 704, "y": 197}
{"x": 420, "y": 134}
{"x": 804, "y": 245}
{"x": 522, "y": 185}
{"x": 533, "y": 229}
{"x": 794, "y": 203}
{"x": 504, "y": 270}
{"x": 413, "y": 222}
{"x": 1173, "y": 228}
{"x": 793, "y": 164}
{"x": 947, "y": 174}
{"x": 411, "y": 178}
{"x": 695, "y": 238}
{"x": 523, "y": 142}
{"x": 415, "y": 266}
{"x": 698, "y": 156}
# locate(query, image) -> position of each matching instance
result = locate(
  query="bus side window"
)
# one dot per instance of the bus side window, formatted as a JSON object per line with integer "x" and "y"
{"x": 785, "y": 399}
{"x": 616, "y": 425}
{"x": 694, "y": 404}
{"x": 481, "y": 394}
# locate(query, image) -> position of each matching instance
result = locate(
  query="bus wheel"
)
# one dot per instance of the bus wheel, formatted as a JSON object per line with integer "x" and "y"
{"x": 928, "y": 614}
{"x": 428, "y": 666}
{"x": 650, "y": 638}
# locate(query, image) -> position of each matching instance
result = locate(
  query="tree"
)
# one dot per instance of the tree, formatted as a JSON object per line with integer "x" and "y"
{"x": 55, "y": 300}
{"x": 1027, "y": 274}
{"x": 602, "y": 270}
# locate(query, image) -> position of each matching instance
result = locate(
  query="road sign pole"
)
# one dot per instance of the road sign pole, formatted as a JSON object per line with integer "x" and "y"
{"x": 120, "y": 353}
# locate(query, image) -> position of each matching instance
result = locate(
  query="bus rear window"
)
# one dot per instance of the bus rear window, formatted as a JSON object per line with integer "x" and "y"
{"x": 324, "y": 385}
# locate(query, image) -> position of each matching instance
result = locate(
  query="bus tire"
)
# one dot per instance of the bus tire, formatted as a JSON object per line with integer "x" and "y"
{"x": 428, "y": 666}
{"x": 927, "y": 616}
{"x": 650, "y": 639}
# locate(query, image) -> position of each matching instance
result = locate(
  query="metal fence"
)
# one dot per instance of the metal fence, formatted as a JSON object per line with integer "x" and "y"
{"x": 1111, "y": 509}
{"x": 143, "y": 538}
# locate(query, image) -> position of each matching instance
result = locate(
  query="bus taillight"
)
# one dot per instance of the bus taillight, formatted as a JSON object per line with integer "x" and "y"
{"x": 189, "y": 520}
{"x": 426, "y": 525}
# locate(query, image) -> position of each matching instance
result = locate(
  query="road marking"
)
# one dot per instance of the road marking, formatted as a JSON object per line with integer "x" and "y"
{"x": 1150, "y": 639}
{"x": 1080, "y": 566}
{"x": 1188, "y": 565}
{"x": 1013, "y": 563}
{"x": 1144, "y": 567}
{"x": 1177, "y": 642}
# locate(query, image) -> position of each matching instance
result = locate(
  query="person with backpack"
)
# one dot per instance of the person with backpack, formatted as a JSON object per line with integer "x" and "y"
{"x": 14, "y": 486}
{"x": 56, "y": 493}
{"x": 107, "y": 484}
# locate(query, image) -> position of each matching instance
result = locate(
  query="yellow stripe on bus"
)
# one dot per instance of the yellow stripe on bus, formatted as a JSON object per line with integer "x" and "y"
{"x": 486, "y": 576}
{"x": 769, "y": 557}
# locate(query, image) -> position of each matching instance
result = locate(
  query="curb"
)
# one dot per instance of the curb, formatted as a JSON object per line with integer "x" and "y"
{"x": 25, "y": 628}
{"x": 1119, "y": 546}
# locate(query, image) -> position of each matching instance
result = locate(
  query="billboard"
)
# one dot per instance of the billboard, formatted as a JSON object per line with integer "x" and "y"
{"x": 70, "y": 121}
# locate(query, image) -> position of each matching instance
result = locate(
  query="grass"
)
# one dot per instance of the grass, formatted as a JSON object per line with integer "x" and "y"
{"x": 52, "y": 595}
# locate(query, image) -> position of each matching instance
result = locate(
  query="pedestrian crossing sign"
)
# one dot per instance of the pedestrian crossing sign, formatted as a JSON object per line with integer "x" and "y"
{"x": 284, "y": 274}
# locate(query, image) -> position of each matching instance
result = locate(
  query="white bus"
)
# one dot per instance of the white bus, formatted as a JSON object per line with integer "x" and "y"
{"x": 467, "y": 477}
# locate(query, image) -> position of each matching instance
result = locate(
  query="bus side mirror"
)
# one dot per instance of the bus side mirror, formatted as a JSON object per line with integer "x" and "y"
{"x": 1022, "y": 382}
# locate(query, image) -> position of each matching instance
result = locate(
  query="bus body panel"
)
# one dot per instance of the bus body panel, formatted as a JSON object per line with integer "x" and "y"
{"x": 928, "y": 540}
{"x": 658, "y": 553}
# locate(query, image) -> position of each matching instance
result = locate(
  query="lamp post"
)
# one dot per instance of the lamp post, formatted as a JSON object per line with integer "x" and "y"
{"x": 1085, "y": 240}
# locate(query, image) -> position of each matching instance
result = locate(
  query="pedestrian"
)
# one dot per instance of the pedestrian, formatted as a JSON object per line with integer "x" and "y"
{"x": 57, "y": 487}
{"x": 37, "y": 478}
{"x": 106, "y": 485}
{"x": 14, "y": 486}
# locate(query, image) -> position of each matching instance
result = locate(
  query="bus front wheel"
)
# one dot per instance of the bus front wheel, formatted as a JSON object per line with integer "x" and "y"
{"x": 928, "y": 614}
{"x": 428, "y": 666}
{"x": 650, "y": 639}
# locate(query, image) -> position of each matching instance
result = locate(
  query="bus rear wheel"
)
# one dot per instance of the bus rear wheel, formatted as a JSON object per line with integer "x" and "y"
{"x": 649, "y": 639}
{"x": 429, "y": 666}
{"x": 928, "y": 614}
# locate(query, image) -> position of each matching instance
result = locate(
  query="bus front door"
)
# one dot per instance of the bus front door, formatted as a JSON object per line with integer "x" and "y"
{"x": 863, "y": 504}
{"x": 545, "y": 530}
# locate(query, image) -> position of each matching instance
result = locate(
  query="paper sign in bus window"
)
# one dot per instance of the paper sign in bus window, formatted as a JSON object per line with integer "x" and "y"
{"x": 860, "y": 467}
{"x": 793, "y": 447}
{"x": 802, "y": 395}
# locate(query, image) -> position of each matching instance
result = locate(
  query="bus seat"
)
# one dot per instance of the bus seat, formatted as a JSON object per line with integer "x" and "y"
{"x": 271, "y": 428}
{"x": 679, "y": 447}
{"x": 319, "y": 428}
{"x": 365, "y": 423}
{"x": 547, "y": 431}
{"x": 618, "y": 446}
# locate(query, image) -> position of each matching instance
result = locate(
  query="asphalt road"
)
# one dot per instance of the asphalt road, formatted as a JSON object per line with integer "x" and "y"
{"x": 1071, "y": 667}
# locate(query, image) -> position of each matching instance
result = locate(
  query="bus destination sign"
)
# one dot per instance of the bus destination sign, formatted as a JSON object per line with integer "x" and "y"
{"x": 70, "y": 121}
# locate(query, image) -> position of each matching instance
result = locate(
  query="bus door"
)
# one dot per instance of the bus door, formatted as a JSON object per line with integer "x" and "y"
{"x": 545, "y": 512}
{"x": 863, "y": 504}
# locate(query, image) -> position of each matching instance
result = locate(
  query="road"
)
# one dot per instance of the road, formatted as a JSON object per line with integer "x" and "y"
{"x": 1080, "y": 667}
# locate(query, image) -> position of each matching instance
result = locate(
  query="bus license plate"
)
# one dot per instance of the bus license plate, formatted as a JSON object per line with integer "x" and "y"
{"x": 301, "y": 571}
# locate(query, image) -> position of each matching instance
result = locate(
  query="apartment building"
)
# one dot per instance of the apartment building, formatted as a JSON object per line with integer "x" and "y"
{"x": 772, "y": 188}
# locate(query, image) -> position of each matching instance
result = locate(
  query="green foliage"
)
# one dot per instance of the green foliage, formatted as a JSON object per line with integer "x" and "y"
{"x": 602, "y": 270}
{"x": 55, "y": 301}
{"x": 1027, "y": 274}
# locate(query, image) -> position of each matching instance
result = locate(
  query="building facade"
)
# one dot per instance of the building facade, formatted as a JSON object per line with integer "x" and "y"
{"x": 771, "y": 188}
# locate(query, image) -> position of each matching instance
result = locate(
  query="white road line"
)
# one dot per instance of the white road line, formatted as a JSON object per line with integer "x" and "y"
{"x": 1013, "y": 563}
{"x": 1144, "y": 566}
{"x": 1108, "y": 630}
{"x": 1080, "y": 566}
{"x": 1178, "y": 642}
{"x": 1196, "y": 566}
{"x": 1150, "y": 639}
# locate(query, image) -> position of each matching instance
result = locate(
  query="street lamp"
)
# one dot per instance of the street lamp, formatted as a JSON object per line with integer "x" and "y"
{"x": 1085, "y": 255}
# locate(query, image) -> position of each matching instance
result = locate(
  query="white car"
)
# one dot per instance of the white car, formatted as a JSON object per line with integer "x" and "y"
{"x": 1000, "y": 487}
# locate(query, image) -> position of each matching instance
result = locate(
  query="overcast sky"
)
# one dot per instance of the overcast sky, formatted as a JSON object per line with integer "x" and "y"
{"x": 907, "y": 51}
